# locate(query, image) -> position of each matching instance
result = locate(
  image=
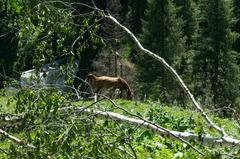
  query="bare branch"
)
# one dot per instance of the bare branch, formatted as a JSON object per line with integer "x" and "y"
{"x": 162, "y": 128}
{"x": 205, "y": 140}
{"x": 16, "y": 140}
{"x": 3, "y": 151}
{"x": 225, "y": 137}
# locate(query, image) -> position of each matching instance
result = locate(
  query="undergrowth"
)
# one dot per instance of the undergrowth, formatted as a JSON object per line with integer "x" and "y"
{"x": 74, "y": 135}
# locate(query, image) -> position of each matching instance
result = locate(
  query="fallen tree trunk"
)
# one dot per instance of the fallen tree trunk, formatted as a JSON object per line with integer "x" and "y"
{"x": 224, "y": 135}
{"x": 204, "y": 139}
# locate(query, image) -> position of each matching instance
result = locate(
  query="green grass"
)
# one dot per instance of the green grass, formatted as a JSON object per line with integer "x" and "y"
{"x": 146, "y": 144}
{"x": 4, "y": 146}
{"x": 172, "y": 114}
{"x": 7, "y": 104}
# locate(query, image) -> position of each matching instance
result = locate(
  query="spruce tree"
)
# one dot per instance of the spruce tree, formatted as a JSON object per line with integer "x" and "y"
{"x": 187, "y": 9}
{"x": 162, "y": 35}
{"x": 187, "y": 12}
{"x": 136, "y": 14}
{"x": 215, "y": 63}
{"x": 236, "y": 4}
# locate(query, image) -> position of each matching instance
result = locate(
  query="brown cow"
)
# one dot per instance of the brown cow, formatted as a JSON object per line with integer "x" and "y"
{"x": 106, "y": 82}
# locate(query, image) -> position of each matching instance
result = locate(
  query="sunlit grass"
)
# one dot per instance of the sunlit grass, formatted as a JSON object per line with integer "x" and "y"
{"x": 175, "y": 113}
{"x": 7, "y": 104}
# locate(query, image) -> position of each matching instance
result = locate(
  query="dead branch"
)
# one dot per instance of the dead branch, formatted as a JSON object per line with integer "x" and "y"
{"x": 162, "y": 128}
{"x": 224, "y": 135}
{"x": 16, "y": 140}
{"x": 205, "y": 139}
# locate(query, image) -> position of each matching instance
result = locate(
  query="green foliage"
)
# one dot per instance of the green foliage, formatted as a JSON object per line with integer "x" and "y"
{"x": 161, "y": 34}
{"x": 236, "y": 27}
{"x": 136, "y": 14}
{"x": 8, "y": 42}
{"x": 188, "y": 14}
{"x": 71, "y": 134}
{"x": 215, "y": 64}
{"x": 34, "y": 33}
{"x": 59, "y": 134}
{"x": 52, "y": 33}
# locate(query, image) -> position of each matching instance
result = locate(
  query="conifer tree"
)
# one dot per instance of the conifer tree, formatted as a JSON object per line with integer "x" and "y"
{"x": 136, "y": 14}
{"x": 215, "y": 63}
{"x": 187, "y": 12}
{"x": 161, "y": 34}
{"x": 236, "y": 4}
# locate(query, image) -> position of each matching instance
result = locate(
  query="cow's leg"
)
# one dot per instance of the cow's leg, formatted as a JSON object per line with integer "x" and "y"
{"x": 98, "y": 91}
{"x": 95, "y": 97}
